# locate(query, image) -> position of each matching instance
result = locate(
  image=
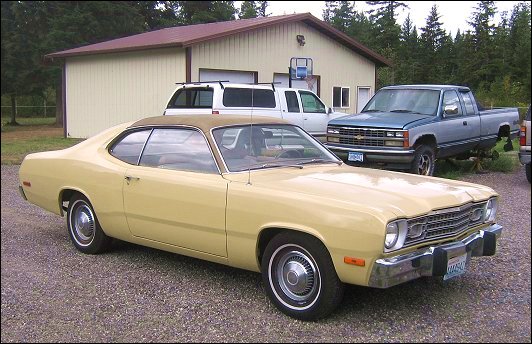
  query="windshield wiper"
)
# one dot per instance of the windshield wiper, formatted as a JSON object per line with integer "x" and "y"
{"x": 405, "y": 111}
{"x": 277, "y": 165}
{"x": 374, "y": 110}
{"x": 319, "y": 161}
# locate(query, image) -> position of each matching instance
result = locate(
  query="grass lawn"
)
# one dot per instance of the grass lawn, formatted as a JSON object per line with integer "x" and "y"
{"x": 32, "y": 135}
{"x": 507, "y": 162}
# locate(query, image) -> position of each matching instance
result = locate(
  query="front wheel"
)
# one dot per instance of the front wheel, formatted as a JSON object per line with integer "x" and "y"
{"x": 299, "y": 276}
{"x": 424, "y": 159}
{"x": 84, "y": 228}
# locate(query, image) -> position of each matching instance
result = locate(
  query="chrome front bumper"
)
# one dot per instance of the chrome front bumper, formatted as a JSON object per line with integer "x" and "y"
{"x": 432, "y": 261}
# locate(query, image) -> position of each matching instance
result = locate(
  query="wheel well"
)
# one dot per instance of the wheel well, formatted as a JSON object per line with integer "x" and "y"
{"x": 504, "y": 131}
{"x": 267, "y": 234}
{"x": 65, "y": 196}
{"x": 428, "y": 140}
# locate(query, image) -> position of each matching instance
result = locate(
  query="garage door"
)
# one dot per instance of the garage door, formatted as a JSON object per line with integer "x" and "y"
{"x": 229, "y": 75}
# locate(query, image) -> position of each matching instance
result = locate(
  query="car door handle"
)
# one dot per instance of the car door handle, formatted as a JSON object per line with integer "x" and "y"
{"x": 130, "y": 178}
{"x": 464, "y": 122}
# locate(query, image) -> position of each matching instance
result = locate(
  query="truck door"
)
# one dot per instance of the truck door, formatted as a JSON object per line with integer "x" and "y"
{"x": 315, "y": 116}
{"x": 458, "y": 132}
{"x": 291, "y": 108}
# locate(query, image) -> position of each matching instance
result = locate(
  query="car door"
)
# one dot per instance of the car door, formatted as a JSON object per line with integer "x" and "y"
{"x": 175, "y": 194}
{"x": 457, "y": 132}
{"x": 291, "y": 108}
{"x": 315, "y": 116}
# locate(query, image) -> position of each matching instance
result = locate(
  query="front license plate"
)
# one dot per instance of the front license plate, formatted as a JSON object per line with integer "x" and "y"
{"x": 456, "y": 266}
{"x": 355, "y": 156}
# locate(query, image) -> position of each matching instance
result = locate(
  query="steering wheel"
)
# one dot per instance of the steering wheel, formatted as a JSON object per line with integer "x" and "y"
{"x": 290, "y": 153}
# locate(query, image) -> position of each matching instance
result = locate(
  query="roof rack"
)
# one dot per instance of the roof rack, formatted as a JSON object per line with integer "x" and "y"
{"x": 222, "y": 81}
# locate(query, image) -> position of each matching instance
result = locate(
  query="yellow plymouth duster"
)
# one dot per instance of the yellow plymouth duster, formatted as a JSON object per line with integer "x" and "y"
{"x": 263, "y": 195}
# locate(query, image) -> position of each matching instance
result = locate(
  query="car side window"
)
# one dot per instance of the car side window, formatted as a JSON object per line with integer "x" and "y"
{"x": 311, "y": 103}
{"x": 178, "y": 149}
{"x": 248, "y": 97}
{"x": 129, "y": 147}
{"x": 451, "y": 98}
{"x": 468, "y": 102}
{"x": 291, "y": 101}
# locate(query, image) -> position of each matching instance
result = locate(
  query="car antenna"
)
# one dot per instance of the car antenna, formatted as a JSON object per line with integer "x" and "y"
{"x": 250, "y": 135}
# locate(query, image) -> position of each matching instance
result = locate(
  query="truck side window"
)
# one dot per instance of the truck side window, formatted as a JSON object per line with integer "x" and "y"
{"x": 311, "y": 103}
{"x": 291, "y": 101}
{"x": 451, "y": 98}
{"x": 243, "y": 97}
{"x": 195, "y": 98}
{"x": 469, "y": 108}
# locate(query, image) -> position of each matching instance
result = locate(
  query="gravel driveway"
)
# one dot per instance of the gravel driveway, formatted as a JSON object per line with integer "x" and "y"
{"x": 53, "y": 293}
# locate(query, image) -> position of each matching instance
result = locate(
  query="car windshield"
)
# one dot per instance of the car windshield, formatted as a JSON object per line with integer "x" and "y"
{"x": 424, "y": 102}
{"x": 270, "y": 145}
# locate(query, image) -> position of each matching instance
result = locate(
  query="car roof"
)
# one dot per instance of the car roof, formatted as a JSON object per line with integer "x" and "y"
{"x": 206, "y": 122}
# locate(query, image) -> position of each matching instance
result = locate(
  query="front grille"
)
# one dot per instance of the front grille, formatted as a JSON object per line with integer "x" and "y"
{"x": 360, "y": 136}
{"x": 447, "y": 223}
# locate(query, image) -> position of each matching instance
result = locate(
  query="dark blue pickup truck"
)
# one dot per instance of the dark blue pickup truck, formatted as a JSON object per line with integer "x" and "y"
{"x": 410, "y": 126}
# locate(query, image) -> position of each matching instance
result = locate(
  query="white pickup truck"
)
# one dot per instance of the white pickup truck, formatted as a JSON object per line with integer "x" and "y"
{"x": 301, "y": 107}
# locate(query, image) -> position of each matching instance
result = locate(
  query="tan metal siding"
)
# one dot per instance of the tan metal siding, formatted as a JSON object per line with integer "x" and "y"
{"x": 104, "y": 90}
{"x": 269, "y": 50}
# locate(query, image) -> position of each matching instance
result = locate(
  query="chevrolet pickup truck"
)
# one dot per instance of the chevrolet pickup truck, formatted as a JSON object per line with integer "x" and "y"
{"x": 410, "y": 126}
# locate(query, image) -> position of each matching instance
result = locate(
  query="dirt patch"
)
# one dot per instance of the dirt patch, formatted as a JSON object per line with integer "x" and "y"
{"x": 27, "y": 132}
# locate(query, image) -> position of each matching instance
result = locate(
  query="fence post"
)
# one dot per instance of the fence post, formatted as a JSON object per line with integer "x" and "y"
{"x": 45, "y": 108}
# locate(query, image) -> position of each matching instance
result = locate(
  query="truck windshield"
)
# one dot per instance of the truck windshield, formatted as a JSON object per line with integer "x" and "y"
{"x": 424, "y": 102}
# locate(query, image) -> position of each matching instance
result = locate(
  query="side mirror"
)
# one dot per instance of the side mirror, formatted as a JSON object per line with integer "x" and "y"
{"x": 450, "y": 110}
{"x": 329, "y": 111}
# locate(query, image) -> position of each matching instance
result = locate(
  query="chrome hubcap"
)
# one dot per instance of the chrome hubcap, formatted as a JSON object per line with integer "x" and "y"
{"x": 296, "y": 274}
{"x": 83, "y": 224}
{"x": 424, "y": 165}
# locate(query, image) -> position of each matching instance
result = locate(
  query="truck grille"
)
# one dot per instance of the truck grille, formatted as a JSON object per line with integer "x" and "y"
{"x": 447, "y": 223}
{"x": 360, "y": 136}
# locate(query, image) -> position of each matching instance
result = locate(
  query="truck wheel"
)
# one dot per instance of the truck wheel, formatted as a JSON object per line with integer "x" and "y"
{"x": 299, "y": 276}
{"x": 528, "y": 176}
{"x": 84, "y": 228}
{"x": 423, "y": 163}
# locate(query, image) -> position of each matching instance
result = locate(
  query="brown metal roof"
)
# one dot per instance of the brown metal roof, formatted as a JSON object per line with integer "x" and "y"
{"x": 185, "y": 36}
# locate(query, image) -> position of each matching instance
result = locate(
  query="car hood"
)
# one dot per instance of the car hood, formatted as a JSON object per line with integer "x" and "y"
{"x": 391, "y": 120}
{"x": 377, "y": 191}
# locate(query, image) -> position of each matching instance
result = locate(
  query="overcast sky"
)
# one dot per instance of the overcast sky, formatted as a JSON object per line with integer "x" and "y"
{"x": 454, "y": 14}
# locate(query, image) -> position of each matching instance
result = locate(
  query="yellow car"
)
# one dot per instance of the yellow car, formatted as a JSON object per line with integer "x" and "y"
{"x": 263, "y": 195}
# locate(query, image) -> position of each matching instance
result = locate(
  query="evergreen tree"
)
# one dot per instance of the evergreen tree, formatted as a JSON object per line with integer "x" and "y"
{"x": 253, "y": 9}
{"x": 408, "y": 66}
{"x": 339, "y": 14}
{"x": 198, "y": 12}
{"x": 432, "y": 39}
{"x": 520, "y": 49}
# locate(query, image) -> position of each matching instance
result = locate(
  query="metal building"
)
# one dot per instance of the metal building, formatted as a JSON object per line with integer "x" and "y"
{"x": 132, "y": 77}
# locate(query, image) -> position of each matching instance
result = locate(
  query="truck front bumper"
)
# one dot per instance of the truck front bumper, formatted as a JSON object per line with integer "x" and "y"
{"x": 374, "y": 155}
{"x": 433, "y": 260}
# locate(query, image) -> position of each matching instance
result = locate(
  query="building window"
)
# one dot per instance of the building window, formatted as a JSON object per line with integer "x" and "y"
{"x": 340, "y": 97}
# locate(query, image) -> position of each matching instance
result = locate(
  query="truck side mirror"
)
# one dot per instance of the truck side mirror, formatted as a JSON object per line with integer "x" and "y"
{"x": 329, "y": 111}
{"x": 450, "y": 110}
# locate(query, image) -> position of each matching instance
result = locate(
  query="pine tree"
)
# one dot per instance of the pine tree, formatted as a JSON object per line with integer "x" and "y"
{"x": 432, "y": 40}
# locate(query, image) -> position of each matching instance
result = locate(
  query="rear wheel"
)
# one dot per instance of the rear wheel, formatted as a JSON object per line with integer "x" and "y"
{"x": 84, "y": 228}
{"x": 299, "y": 276}
{"x": 424, "y": 160}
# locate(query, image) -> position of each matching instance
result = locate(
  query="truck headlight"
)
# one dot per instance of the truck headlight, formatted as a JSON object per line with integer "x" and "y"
{"x": 333, "y": 131}
{"x": 490, "y": 212}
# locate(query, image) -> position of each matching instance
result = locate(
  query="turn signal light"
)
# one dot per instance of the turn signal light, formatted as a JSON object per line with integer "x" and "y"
{"x": 405, "y": 140}
{"x": 355, "y": 261}
{"x": 28, "y": 184}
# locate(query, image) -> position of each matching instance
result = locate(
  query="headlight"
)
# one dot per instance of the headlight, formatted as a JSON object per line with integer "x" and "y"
{"x": 393, "y": 143}
{"x": 490, "y": 211}
{"x": 395, "y": 235}
{"x": 333, "y": 131}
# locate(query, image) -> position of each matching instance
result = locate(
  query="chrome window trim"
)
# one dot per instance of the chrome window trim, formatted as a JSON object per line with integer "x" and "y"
{"x": 170, "y": 126}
